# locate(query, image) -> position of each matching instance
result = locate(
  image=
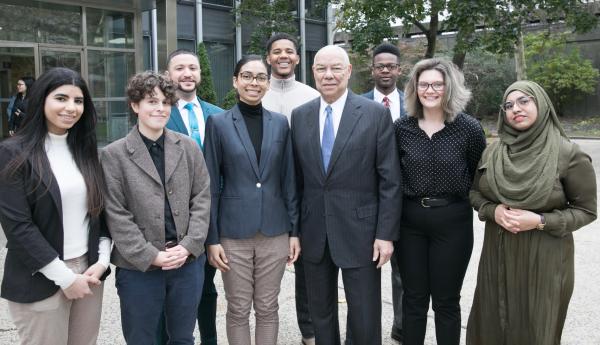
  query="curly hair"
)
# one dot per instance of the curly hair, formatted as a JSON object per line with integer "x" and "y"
{"x": 143, "y": 84}
{"x": 456, "y": 95}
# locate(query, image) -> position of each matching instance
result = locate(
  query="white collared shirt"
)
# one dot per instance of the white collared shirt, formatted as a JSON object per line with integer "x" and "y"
{"x": 199, "y": 116}
{"x": 394, "y": 98}
{"x": 337, "y": 108}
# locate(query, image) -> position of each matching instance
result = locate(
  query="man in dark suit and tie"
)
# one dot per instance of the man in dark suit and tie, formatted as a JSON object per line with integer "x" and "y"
{"x": 385, "y": 72}
{"x": 188, "y": 116}
{"x": 349, "y": 184}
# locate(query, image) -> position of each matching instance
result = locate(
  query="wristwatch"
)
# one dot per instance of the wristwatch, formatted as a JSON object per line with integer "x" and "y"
{"x": 542, "y": 224}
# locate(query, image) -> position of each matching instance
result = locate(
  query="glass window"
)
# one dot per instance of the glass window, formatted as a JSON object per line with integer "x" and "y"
{"x": 315, "y": 9}
{"x": 40, "y": 22}
{"x": 186, "y": 44}
{"x": 186, "y": 21}
{"x": 219, "y": 2}
{"x": 114, "y": 121}
{"x": 108, "y": 72}
{"x": 109, "y": 29}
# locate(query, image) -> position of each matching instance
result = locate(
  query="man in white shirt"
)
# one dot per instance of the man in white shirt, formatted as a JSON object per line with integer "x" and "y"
{"x": 284, "y": 95}
{"x": 385, "y": 71}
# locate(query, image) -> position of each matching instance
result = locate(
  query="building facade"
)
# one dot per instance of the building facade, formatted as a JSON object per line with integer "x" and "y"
{"x": 110, "y": 40}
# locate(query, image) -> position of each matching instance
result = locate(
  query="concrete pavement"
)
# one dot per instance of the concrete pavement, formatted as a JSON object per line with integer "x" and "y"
{"x": 581, "y": 327}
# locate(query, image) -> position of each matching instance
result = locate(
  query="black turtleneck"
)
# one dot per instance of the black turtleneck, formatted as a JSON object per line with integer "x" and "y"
{"x": 253, "y": 117}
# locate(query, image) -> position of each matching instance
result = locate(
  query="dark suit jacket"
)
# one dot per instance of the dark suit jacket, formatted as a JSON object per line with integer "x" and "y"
{"x": 248, "y": 197}
{"x": 359, "y": 199}
{"x": 176, "y": 122}
{"x": 31, "y": 217}
{"x": 371, "y": 95}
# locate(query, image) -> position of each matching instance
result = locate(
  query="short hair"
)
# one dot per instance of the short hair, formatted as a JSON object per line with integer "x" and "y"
{"x": 28, "y": 82}
{"x": 143, "y": 84}
{"x": 386, "y": 47}
{"x": 334, "y": 48}
{"x": 456, "y": 95}
{"x": 180, "y": 52}
{"x": 244, "y": 60}
{"x": 281, "y": 36}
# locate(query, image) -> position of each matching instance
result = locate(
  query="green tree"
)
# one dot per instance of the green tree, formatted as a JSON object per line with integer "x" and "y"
{"x": 206, "y": 91}
{"x": 230, "y": 99}
{"x": 494, "y": 26}
{"x": 265, "y": 17}
{"x": 559, "y": 69}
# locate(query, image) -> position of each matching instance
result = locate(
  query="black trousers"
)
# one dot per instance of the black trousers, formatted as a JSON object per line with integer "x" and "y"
{"x": 435, "y": 248}
{"x": 302, "y": 313}
{"x": 362, "y": 286}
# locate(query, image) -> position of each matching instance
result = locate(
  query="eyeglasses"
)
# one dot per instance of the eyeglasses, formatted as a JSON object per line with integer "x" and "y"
{"x": 337, "y": 69}
{"x": 436, "y": 86}
{"x": 522, "y": 101}
{"x": 20, "y": 84}
{"x": 390, "y": 66}
{"x": 248, "y": 77}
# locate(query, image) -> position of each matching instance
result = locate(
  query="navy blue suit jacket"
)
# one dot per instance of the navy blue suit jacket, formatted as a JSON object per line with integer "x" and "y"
{"x": 403, "y": 113}
{"x": 248, "y": 196}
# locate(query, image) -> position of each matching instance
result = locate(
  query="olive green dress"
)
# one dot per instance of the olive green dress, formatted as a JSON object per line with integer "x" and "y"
{"x": 525, "y": 280}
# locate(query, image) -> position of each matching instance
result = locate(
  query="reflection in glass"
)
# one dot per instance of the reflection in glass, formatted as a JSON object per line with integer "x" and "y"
{"x": 109, "y": 28}
{"x": 108, "y": 72}
{"x": 316, "y": 9}
{"x": 57, "y": 58}
{"x": 219, "y": 2}
{"x": 40, "y": 22}
{"x": 222, "y": 60}
{"x": 15, "y": 62}
{"x": 114, "y": 121}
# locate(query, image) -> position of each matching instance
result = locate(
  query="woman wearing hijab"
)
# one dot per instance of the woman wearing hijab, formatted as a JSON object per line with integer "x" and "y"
{"x": 533, "y": 188}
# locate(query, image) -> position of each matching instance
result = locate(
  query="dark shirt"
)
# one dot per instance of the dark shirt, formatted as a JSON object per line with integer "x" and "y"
{"x": 253, "y": 117}
{"x": 157, "y": 153}
{"x": 444, "y": 165}
{"x": 19, "y": 108}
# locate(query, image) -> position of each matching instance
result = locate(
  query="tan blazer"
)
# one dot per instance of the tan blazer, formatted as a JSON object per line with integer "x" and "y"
{"x": 135, "y": 198}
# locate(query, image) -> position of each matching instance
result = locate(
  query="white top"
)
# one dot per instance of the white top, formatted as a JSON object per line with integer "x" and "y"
{"x": 199, "y": 116}
{"x": 284, "y": 95}
{"x": 73, "y": 195}
{"x": 394, "y": 98}
{"x": 337, "y": 108}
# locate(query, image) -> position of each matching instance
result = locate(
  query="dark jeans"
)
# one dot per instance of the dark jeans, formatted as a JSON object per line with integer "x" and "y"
{"x": 302, "y": 313}
{"x": 207, "y": 312}
{"x": 145, "y": 296}
{"x": 435, "y": 247}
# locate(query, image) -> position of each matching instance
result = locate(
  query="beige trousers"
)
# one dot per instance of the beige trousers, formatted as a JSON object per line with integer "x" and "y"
{"x": 257, "y": 265}
{"x": 57, "y": 320}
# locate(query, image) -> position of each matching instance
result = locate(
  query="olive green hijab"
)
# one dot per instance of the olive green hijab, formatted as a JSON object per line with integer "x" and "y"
{"x": 523, "y": 165}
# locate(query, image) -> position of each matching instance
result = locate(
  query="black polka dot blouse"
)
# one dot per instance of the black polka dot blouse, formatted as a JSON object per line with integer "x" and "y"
{"x": 444, "y": 165}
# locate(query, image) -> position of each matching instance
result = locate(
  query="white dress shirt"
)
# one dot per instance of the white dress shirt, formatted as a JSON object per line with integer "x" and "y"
{"x": 199, "y": 116}
{"x": 394, "y": 98}
{"x": 337, "y": 108}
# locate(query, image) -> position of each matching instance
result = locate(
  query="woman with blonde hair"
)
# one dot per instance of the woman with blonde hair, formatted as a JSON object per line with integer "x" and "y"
{"x": 439, "y": 149}
{"x": 533, "y": 188}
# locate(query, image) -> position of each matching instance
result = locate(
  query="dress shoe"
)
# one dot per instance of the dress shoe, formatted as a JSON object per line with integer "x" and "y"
{"x": 308, "y": 341}
{"x": 397, "y": 334}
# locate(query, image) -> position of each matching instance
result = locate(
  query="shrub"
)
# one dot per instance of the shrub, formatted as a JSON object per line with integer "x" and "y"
{"x": 206, "y": 91}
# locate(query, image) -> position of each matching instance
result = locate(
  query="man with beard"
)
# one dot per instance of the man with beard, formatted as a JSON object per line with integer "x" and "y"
{"x": 385, "y": 72}
{"x": 284, "y": 95}
{"x": 188, "y": 116}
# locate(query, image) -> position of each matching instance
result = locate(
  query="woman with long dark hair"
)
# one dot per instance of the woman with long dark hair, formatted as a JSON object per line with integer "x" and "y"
{"x": 254, "y": 209}
{"x": 51, "y": 200}
{"x": 18, "y": 104}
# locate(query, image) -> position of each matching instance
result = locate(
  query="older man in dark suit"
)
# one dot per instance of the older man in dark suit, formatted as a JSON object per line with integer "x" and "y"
{"x": 349, "y": 183}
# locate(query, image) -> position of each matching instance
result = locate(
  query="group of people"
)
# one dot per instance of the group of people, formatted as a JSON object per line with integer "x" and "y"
{"x": 323, "y": 179}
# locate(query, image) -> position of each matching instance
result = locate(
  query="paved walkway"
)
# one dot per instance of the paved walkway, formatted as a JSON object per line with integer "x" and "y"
{"x": 581, "y": 326}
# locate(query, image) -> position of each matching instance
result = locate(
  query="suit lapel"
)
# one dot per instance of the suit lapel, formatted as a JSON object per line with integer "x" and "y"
{"x": 267, "y": 140}
{"x": 312, "y": 124}
{"x": 50, "y": 183}
{"x": 350, "y": 117}
{"x": 178, "y": 120}
{"x": 242, "y": 131}
{"x": 173, "y": 153}
{"x": 138, "y": 153}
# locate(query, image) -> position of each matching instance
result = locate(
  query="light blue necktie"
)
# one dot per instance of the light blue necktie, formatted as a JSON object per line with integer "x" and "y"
{"x": 195, "y": 130}
{"x": 328, "y": 138}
